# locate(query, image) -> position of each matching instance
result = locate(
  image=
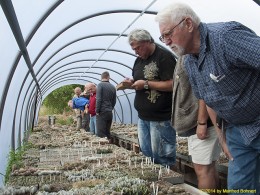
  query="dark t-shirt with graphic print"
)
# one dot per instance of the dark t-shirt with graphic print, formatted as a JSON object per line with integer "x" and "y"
{"x": 154, "y": 105}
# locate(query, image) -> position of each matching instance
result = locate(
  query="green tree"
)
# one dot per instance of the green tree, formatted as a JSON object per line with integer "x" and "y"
{"x": 57, "y": 101}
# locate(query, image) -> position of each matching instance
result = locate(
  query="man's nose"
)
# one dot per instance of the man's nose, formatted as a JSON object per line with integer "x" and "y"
{"x": 168, "y": 41}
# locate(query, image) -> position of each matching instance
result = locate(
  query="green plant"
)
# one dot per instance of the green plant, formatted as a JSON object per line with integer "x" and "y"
{"x": 70, "y": 120}
{"x": 15, "y": 159}
{"x": 65, "y": 121}
{"x": 104, "y": 151}
{"x": 44, "y": 111}
{"x": 134, "y": 190}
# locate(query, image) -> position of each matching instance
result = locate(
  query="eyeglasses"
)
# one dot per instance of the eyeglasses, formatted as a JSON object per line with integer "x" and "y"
{"x": 168, "y": 35}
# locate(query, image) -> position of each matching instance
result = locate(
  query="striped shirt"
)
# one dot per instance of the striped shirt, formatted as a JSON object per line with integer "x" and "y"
{"x": 226, "y": 74}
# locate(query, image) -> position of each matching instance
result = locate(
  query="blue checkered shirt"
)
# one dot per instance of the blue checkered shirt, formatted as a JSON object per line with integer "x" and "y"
{"x": 226, "y": 74}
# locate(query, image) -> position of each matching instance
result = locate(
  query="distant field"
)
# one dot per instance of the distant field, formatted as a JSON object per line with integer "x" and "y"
{"x": 44, "y": 111}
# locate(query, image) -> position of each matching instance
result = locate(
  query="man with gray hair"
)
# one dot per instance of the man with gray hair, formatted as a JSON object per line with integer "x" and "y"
{"x": 223, "y": 65}
{"x": 152, "y": 79}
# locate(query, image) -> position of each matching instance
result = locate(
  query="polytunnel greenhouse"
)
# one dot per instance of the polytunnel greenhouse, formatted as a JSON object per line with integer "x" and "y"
{"x": 47, "y": 44}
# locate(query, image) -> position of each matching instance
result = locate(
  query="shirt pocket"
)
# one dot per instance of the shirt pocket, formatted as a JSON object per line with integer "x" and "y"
{"x": 231, "y": 83}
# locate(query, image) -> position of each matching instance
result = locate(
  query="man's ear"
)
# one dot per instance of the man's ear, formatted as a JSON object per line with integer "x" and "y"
{"x": 189, "y": 24}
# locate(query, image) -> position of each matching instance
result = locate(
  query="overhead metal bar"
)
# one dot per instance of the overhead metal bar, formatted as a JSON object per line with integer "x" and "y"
{"x": 66, "y": 78}
{"x": 90, "y": 60}
{"x": 29, "y": 102}
{"x": 257, "y": 1}
{"x": 78, "y": 67}
{"x": 34, "y": 112}
{"x": 86, "y": 18}
{"x": 31, "y": 35}
{"x": 68, "y": 56}
{"x": 10, "y": 15}
{"x": 80, "y": 39}
{"x": 14, "y": 66}
{"x": 13, "y": 129}
{"x": 27, "y": 91}
{"x": 56, "y": 69}
{"x": 121, "y": 120}
{"x": 78, "y": 52}
{"x": 29, "y": 117}
{"x": 62, "y": 76}
{"x": 19, "y": 93}
{"x": 27, "y": 114}
{"x": 47, "y": 87}
{"x": 78, "y": 21}
{"x": 119, "y": 101}
{"x": 94, "y": 49}
{"x": 128, "y": 26}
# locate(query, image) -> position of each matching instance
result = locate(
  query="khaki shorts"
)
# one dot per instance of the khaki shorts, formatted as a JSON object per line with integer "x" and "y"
{"x": 203, "y": 152}
{"x": 77, "y": 112}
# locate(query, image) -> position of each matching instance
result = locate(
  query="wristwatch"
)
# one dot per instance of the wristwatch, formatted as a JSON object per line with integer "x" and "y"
{"x": 146, "y": 86}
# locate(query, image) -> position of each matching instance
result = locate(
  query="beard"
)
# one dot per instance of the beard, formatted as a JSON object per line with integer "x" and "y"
{"x": 178, "y": 50}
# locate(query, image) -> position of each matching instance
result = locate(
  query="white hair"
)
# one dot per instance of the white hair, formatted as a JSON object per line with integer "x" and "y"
{"x": 176, "y": 12}
{"x": 77, "y": 89}
{"x": 139, "y": 35}
{"x": 90, "y": 85}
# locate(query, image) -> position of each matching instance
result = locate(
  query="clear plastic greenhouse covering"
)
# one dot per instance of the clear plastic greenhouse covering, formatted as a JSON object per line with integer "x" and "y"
{"x": 46, "y": 44}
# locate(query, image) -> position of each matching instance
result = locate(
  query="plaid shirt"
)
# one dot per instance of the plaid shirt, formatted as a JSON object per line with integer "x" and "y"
{"x": 226, "y": 74}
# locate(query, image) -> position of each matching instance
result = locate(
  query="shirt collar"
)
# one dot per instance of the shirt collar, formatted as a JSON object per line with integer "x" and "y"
{"x": 204, "y": 44}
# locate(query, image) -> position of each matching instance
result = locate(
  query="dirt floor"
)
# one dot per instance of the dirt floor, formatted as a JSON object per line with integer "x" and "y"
{"x": 61, "y": 160}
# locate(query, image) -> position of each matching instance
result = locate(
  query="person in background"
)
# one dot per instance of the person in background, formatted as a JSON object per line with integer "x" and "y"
{"x": 77, "y": 92}
{"x": 223, "y": 65}
{"x": 85, "y": 115}
{"x": 80, "y": 103}
{"x": 105, "y": 103}
{"x": 91, "y": 89}
{"x": 152, "y": 79}
{"x": 82, "y": 117}
{"x": 78, "y": 113}
{"x": 203, "y": 143}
